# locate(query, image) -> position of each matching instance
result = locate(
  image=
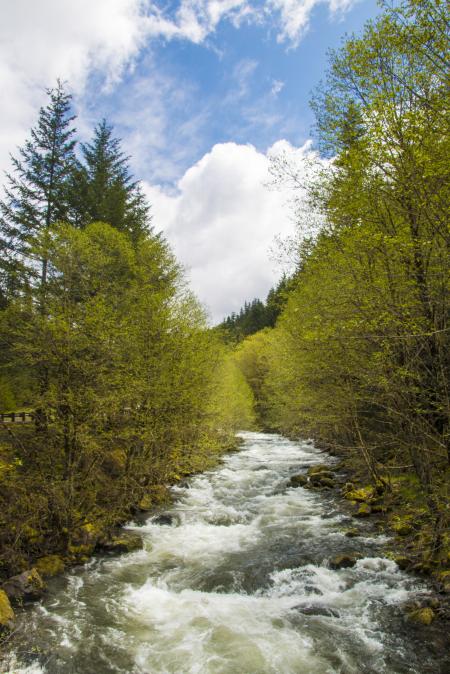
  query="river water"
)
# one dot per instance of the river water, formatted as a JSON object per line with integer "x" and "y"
{"x": 237, "y": 582}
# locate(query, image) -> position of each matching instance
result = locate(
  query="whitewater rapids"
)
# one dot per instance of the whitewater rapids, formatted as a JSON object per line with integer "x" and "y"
{"x": 234, "y": 580}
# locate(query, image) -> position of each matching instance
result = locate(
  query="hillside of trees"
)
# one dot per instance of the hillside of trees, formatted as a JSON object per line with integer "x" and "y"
{"x": 256, "y": 315}
{"x": 359, "y": 358}
{"x": 102, "y": 343}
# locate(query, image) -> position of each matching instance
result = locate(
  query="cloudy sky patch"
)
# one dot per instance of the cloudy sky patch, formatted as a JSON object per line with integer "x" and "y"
{"x": 199, "y": 91}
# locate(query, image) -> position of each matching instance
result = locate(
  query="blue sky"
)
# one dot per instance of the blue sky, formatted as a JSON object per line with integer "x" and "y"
{"x": 240, "y": 84}
{"x": 202, "y": 93}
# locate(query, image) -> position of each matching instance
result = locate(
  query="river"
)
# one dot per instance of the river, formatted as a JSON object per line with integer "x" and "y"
{"x": 235, "y": 581}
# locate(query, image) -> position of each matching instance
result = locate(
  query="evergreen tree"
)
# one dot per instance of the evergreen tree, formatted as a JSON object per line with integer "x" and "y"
{"x": 103, "y": 187}
{"x": 37, "y": 189}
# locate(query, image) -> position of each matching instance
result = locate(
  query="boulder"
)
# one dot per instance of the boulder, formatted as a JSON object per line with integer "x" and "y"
{"x": 298, "y": 481}
{"x": 360, "y": 495}
{"x": 364, "y": 510}
{"x": 121, "y": 541}
{"x": 319, "y": 468}
{"x": 157, "y": 494}
{"x": 402, "y": 562}
{"x": 26, "y": 586}
{"x": 345, "y": 561}
{"x": 323, "y": 475}
{"x": 49, "y": 566}
{"x": 145, "y": 503}
{"x": 6, "y": 612}
{"x": 83, "y": 541}
{"x": 319, "y": 611}
{"x": 327, "y": 482}
{"x": 422, "y": 616}
{"x": 352, "y": 533}
{"x": 401, "y": 527}
{"x": 165, "y": 519}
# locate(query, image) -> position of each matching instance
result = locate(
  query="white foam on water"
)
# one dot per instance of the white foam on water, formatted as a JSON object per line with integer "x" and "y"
{"x": 147, "y": 611}
{"x": 191, "y": 631}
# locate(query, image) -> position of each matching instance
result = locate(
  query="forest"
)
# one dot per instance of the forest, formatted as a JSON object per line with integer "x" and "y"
{"x": 129, "y": 389}
{"x": 359, "y": 358}
{"x": 103, "y": 344}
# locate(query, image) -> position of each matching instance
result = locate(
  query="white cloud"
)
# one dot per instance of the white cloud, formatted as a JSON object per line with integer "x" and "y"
{"x": 194, "y": 20}
{"x": 294, "y": 16}
{"x": 223, "y": 222}
{"x": 41, "y": 41}
{"x": 277, "y": 86}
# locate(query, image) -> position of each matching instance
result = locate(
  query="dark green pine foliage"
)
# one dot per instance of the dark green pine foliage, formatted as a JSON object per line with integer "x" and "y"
{"x": 256, "y": 315}
{"x": 104, "y": 189}
{"x": 37, "y": 191}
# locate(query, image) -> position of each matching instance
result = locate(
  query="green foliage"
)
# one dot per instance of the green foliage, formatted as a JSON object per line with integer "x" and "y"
{"x": 104, "y": 190}
{"x": 256, "y": 315}
{"x": 359, "y": 358}
{"x": 37, "y": 192}
{"x": 232, "y": 403}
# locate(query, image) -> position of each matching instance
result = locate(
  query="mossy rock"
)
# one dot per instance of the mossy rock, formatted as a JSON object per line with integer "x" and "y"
{"x": 146, "y": 503}
{"x": 50, "y": 566}
{"x": 319, "y": 468}
{"x": 423, "y": 568}
{"x": 298, "y": 481}
{"x": 352, "y": 533}
{"x": 402, "y": 562}
{"x": 443, "y": 578}
{"x": 159, "y": 493}
{"x": 26, "y": 586}
{"x": 401, "y": 525}
{"x": 361, "y": 495}
{"x": 79, "y": 554}
{"x": 327, "y": 482}
{"x": 344, "y": 561}
{"x": 6, "y": 612}
{"x": 122, "y": 541}
{"x": 84, "y": 539}
{"x": 422, "y": 616}
{"x": 364, "y": 510}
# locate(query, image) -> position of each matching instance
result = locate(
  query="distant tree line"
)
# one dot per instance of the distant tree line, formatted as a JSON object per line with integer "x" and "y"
{"x": 256, "y": 315}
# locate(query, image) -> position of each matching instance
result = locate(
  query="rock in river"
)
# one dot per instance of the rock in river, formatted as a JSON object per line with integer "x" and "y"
{"x": 344, "y": 561}
{"x": 25, "y": 586}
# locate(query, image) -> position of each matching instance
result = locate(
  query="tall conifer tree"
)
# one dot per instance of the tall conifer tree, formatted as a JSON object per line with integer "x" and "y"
{"x": 37, "y": 193}
{"x": 104, "y": 189}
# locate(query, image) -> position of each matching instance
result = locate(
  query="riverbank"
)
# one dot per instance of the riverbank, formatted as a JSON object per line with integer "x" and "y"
{"x": 238, "y": 574}
{"x": 394, "y": 510}
{"x": 44, "y": 559}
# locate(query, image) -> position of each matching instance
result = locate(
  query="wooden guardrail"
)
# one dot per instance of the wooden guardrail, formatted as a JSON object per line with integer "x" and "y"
{"x": 16, "y": 417}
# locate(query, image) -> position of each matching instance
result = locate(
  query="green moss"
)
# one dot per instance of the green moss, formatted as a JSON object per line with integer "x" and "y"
{"x": 80, "y": 550}
{"x": 6, "y": 612}
{"x": 364, "y": 510}
{"x": 402, "y": 562}
{"x": 49, "y": 566}
{"x": 423, "y": 616}
{"x": 361, "y": 495}
{"x": 401, "y": 525}
{"x": 146, "y": 503}
{"x": 320, "y": 468}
